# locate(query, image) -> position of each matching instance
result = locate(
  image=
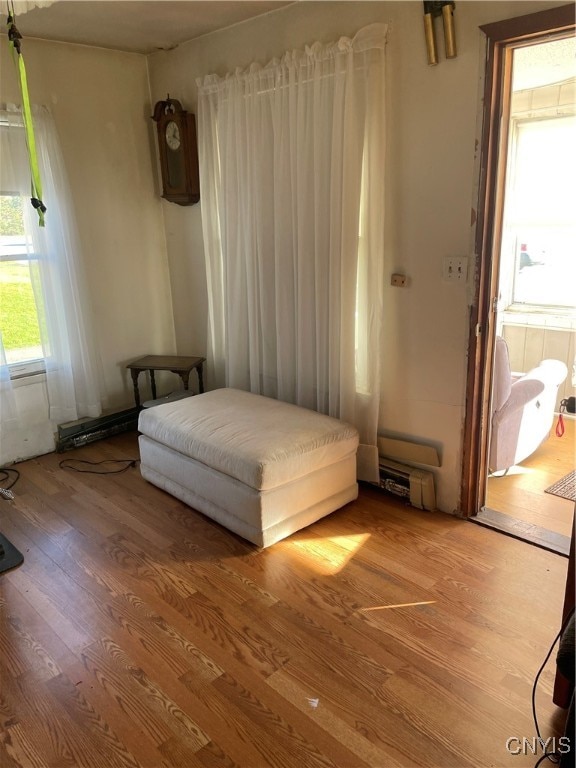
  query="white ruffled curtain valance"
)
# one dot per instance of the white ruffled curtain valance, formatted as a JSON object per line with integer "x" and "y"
{"x": 292, "y": 176}
{"x": 372, "y": 37}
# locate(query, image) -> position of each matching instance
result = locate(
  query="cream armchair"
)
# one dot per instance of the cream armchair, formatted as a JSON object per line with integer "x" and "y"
{"x": 522, "y": 408}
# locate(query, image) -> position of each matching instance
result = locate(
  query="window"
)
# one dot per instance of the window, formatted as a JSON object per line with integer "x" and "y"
{"x": 19, "y": 324}
{"x": 538, "y": 266}
{"x": 541, "y": 228}
{"x": 44, "y": 316}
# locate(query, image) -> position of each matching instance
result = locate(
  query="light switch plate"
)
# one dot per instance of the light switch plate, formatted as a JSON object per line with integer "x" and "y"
{"x": 455, "y": 269}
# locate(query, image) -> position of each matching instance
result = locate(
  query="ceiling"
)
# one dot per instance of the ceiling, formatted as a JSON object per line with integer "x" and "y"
{"x": 545, "y": 64}
{"x": 145, "y": 26}
{"x": 140, "y": 26}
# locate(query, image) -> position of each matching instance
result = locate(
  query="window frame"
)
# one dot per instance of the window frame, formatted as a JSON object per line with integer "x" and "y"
{"x": 508, "y": 305}
{"x": 33, "y": 366}
{"x": 501, "y": 36}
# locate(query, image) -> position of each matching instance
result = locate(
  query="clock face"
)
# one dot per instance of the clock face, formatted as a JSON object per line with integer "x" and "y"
{"x": 172, "y": 136}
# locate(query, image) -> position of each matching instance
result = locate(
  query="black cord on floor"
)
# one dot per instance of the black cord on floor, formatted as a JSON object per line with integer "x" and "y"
{"x": 553, "y": 756}
{"x": 5, "y": 473}
{"x": 70, "y": 464}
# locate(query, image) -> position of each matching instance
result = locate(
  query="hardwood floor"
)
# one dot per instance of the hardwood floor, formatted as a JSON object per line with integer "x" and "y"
{"x": 139, "y": 633}
{"x": 520, "y": 493}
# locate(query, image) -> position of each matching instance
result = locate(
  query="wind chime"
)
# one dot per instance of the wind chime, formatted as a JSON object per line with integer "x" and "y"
{"x": 432, "y": 10}
{"x": 15, "y": 42}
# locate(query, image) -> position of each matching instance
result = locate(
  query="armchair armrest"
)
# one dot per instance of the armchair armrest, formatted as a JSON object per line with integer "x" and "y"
{"x": 549, "y": 373}
{"x": 521, "y": 392}
{"x": 553, "y": 371}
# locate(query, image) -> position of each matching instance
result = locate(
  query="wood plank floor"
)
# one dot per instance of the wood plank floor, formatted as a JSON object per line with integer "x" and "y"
{"x": 139, "y": 633}
{"x": 520, "y": 493}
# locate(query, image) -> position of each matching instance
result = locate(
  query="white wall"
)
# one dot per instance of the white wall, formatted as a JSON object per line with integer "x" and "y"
{"x": 431, "y": 178}
{"x": 101, "y": 105}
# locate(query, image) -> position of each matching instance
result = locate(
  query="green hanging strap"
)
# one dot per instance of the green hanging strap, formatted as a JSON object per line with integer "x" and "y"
{"x": 14, "y": 38}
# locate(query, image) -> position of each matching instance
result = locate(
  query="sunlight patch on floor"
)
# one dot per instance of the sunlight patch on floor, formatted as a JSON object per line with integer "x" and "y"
{"x": 329, "y": 554}
{"x": 515, "y": 470}
{"x": 398, "y": 605}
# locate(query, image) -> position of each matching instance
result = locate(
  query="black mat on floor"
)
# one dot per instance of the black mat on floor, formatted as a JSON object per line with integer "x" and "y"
{"x": 10, "y": 557}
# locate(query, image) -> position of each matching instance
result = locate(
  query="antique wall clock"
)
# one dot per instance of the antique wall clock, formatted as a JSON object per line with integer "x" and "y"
{"x": 178, "y": 152}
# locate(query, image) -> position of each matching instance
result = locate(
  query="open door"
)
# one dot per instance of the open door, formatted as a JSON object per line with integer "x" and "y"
{"x": 503, "y": 39}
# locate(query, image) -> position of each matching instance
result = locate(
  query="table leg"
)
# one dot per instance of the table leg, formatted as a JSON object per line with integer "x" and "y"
{"x": 185, "y": 378}
{"x": 153, "y": 384}
{"x": 200, "y": 378}
{"x": 135, "y": 372}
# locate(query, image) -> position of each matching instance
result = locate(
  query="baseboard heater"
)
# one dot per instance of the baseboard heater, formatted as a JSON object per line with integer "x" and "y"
{"x": 415, "y": 485}
{"x": 74, "y": 434}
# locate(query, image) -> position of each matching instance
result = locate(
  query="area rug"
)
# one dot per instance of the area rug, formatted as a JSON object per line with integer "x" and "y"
{"x": 566, "y": 487}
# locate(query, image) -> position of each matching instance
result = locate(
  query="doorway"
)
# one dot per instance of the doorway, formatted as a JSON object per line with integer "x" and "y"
{"x": 526, "y": 240}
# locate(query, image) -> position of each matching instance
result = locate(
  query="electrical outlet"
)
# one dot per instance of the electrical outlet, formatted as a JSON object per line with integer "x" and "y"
{"x": 455, "y": 269}
{"x": 398, "y": 280}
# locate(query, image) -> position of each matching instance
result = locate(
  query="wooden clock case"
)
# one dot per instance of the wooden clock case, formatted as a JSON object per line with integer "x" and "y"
{"x": 179, "y": 167}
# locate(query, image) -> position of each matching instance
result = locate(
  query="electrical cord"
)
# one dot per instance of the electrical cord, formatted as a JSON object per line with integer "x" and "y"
{"x": 69, "y": 464}
{"x": 5, "y": 473}
{"x": 554, "y": 756}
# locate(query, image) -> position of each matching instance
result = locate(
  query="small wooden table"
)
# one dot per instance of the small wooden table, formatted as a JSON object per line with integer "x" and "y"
{"x": 174, "y": 363}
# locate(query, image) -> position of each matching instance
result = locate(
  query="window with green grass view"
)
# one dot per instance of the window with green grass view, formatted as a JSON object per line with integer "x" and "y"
{"x": 18, "y": 270}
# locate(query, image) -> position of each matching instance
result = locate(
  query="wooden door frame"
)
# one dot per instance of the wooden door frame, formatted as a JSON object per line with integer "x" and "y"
{"x": 501, "y": 37}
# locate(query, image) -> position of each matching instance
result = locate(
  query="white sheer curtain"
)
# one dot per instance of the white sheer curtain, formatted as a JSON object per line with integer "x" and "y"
{"x": 8, "y": 411}
{"x": 292, "y": 178}
{"x": 73, "y": 375}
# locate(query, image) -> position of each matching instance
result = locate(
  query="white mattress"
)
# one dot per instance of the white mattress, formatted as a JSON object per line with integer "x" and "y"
{"x": 256, "y": 440}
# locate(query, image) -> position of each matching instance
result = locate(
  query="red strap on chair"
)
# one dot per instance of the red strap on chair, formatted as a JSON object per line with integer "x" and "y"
{"x": 560, "y": 424}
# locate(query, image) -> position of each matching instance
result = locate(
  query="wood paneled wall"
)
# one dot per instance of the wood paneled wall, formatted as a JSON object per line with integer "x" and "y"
{"x": 528, "y": 345}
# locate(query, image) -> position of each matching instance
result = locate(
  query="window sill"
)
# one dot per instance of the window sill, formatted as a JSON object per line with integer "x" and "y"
{"x": 540, "y": 318}
{"x": 28, "y": 381}
{"x": 22, "y": 371}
